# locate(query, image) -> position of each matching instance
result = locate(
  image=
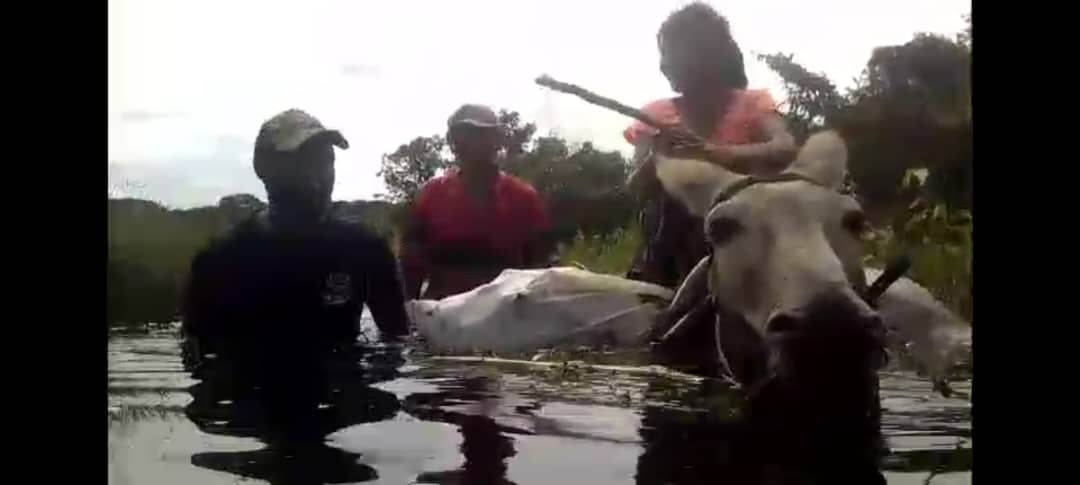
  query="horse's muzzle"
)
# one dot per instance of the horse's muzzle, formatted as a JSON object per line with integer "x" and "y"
{"x": 830, "y": 338}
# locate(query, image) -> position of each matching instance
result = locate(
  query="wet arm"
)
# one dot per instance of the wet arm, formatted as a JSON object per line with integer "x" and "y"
{"x": 773, "y": 155}
{"x": 196, "y": 312}
{"x": 642, "y": 179}
{"x": 414, "y": 262}
{"x": 540, "y": 250}
{"x": 415, "y": 257}
{"x": 385, "y": 296}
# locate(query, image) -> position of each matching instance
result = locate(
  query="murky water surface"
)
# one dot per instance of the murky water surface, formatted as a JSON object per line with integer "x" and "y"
{"x": 410, "y": 419}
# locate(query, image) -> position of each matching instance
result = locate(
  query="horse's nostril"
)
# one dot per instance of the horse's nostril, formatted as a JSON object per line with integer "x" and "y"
{"x": 826, "y": 321}
{"x": 783, "y": 322}
{"x": 872, "y": 323}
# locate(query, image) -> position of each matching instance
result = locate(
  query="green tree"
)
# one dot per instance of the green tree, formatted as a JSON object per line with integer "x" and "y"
{"x": 516, "y": 136}
{"x": 584, "y": 187}
{"x": 910, "y": 109}
{"x": 410, "y": 166}
{"x": 907, "y": 124}
{"x": 812, "y": 100}
{"x": 964, "y": 38}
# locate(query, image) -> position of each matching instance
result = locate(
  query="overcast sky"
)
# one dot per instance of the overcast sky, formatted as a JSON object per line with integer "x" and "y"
{"x": 190, "y": 81}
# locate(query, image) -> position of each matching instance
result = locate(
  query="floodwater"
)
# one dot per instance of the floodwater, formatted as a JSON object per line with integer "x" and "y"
{"x": 397, "y": 417}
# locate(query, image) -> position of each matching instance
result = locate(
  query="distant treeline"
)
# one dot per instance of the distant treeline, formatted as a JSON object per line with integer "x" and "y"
{"x": 907, "y": 123}
{"x": 151, "y": 247}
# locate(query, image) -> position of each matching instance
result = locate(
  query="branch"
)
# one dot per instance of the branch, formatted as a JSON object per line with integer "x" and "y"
{"x": 598, "y": 100}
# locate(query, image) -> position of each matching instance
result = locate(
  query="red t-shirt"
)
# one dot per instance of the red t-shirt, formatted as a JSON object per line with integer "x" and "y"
{"x": 457, "y": 229}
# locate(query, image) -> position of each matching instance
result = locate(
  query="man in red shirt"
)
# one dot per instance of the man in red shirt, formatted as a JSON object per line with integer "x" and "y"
{"x": 470, "y": 224}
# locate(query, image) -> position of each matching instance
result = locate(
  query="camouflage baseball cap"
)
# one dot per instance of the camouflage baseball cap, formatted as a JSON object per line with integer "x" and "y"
{"x": 288, "y": 130}
{"x": 475, "y": 115}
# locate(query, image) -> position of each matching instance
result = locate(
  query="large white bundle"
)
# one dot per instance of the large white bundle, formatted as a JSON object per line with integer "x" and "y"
{"x": 523, "y": 310}
{"x": 526, "y": 310}
{"x": 936, "y": 337}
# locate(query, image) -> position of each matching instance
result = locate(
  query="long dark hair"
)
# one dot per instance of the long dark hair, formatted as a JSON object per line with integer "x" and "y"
{"x": 703, "y": 29}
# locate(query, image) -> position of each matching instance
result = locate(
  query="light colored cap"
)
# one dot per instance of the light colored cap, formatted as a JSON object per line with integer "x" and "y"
{"x": 289, "y": 130}
{"x": 475, "y": 115}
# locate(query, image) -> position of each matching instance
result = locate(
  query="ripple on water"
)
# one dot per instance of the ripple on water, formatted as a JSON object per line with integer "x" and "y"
{"x": 567, "y": 426}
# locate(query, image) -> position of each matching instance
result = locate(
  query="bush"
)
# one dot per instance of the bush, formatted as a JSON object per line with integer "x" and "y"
{"x": 939, "y": 243}
{"x": 612, "y": 254}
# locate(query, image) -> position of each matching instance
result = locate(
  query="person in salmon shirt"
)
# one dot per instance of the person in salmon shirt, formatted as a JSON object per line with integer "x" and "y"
{"x": 716, "y": 119}
{"x": 470, "y": 224}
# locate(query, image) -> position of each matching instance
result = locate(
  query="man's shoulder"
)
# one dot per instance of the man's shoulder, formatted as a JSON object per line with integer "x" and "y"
{"x": 234, "y": 240}
{"x": 757, "y": 100}
{"x": 351, "y": 233}
{"x": 755, "y": 93}
{"x": 256, "y": 230}
{"x": 435, "y": 188}
{"x": 441, "y": 181}
{"x": 517, "y": 185}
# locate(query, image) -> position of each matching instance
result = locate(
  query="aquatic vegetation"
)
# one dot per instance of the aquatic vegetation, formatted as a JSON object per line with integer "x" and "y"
{"x": 938, "y": 238}
{"x": 611, "y": 254}
{"x": 123, "y": 413}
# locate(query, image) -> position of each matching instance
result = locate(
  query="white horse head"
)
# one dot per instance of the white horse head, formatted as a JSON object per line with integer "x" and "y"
{"x": 786, "y": 251}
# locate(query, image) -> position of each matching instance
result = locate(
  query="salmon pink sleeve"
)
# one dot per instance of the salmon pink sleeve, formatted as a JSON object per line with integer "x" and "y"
{"x": 757, "y": 106}
{"x": 763, "y": 103}
{"x": 662, "y": 111}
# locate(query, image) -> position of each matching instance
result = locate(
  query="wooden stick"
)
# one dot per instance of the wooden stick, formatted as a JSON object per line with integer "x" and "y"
{"x": 598, "y": 100}
{"x": 892, "y": 272}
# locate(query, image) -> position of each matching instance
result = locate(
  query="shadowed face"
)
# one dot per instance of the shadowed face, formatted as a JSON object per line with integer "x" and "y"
{"x": 690, "y": 67}
{"x": 301, "y": 183}
{"x": 475, "y": 145}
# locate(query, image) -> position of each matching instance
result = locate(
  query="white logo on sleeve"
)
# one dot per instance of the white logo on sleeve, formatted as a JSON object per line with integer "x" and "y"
{"x": 338, "y": 289}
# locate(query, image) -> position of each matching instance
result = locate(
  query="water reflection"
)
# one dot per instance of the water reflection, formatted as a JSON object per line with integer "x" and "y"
{"x": 489, "y": 424}
{"x": 291, "y": 405}
{"x": 467, "y": 404}
{"x": 316, "y": 465}
{"x": 696, "y": 438}
{"x": 684, "y": 445}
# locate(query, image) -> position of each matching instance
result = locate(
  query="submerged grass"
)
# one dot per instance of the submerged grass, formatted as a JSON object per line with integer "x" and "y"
{"x": 940, "y": 244}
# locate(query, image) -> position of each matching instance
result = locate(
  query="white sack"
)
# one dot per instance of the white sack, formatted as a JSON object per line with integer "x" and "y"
{"x": 936, "y": 337}
{"x": 524, "y": 310}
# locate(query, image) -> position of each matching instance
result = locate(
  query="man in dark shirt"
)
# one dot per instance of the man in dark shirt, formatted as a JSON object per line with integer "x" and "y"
{"x": 290, "y": 283}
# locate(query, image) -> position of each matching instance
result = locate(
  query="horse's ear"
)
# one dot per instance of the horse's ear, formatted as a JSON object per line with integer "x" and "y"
{"x": 823, "y": 159}
{"x": 695, "y": 183}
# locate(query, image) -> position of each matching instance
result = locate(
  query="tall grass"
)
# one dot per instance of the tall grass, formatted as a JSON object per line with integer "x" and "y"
{"x": 611, "y": 254}
{"x": 940, "y": 244}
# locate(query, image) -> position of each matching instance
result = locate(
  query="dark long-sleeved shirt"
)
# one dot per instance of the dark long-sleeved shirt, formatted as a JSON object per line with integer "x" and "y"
{"x": 256, "y": 291}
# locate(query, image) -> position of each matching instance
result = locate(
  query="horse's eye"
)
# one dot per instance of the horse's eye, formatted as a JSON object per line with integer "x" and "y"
{"x": 723, "y": 229}
{"x": 855, "y": 223}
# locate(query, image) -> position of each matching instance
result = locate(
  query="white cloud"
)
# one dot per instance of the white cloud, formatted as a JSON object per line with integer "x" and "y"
{"x": 185, "y": 77}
